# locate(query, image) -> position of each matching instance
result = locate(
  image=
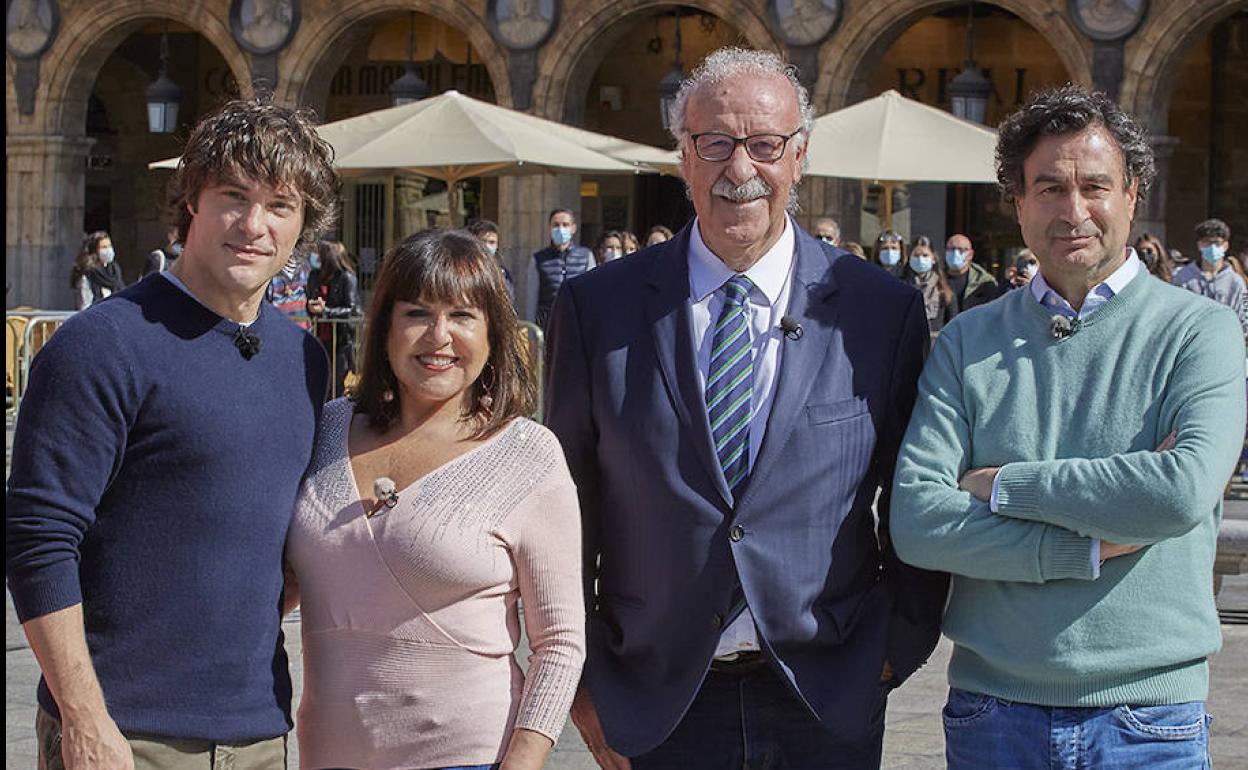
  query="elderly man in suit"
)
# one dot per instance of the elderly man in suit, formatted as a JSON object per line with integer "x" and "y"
{"x": 731, "y": 402}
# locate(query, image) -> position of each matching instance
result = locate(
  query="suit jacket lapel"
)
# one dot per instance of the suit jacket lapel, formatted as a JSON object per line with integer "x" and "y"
{"x": 668, "y": 310}
{"x": 811, "y": 305}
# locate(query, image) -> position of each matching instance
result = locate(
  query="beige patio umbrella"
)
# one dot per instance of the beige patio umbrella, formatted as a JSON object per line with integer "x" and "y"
{"x": 453, "y": 137}
{"x": 891, "y": 139}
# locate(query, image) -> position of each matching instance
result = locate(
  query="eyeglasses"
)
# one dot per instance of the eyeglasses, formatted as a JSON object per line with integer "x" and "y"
{"x": 762, "y": 148}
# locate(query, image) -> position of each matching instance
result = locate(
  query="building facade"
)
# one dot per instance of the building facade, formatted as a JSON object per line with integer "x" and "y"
{"x": 77, "y": 142}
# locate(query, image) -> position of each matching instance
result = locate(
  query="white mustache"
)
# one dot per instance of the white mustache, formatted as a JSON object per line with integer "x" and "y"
{"x": 748, "y": 190}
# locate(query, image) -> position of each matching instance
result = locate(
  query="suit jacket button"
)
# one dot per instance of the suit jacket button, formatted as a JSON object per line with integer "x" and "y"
{"x": 717, "y": 621}
{"x": 736, "y": 533}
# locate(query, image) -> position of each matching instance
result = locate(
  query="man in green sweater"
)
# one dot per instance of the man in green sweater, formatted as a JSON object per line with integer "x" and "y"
{"x": 1065, "y": 462}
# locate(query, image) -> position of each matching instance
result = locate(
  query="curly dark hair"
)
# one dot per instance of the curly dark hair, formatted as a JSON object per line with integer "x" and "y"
{"x": 1213, "y": 228}
{"x": 260, "y": 142}
{"x": 447, "y": 266}
{"x": 1067, "y": 110}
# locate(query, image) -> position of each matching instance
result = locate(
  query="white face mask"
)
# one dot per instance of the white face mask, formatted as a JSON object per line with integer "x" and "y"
{"x": 491, "y": 248}
{"x": 107, "y": 255}
{"x": 612, "y": 253}
{"x": 1030, "y": 269}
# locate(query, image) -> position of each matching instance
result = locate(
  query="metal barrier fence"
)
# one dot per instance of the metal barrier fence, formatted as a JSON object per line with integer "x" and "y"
{"x": 25, "y": 331}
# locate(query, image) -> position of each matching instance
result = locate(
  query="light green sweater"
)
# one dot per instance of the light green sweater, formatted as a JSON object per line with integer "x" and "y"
{"x": 1074, "y": 424}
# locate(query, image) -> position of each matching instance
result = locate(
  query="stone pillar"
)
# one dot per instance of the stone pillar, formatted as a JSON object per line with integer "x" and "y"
{"x": 524, "y": 206}
{"x": 46, "y": 177}
{"x": 1152, "y": 214}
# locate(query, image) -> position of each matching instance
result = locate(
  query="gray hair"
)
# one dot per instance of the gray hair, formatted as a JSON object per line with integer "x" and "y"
{"x": 728, "y": 63}
{"x": 731, "y": 62}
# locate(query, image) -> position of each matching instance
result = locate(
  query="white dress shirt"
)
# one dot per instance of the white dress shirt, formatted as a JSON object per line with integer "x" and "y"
{"x": 1096, "y": 298}
{"x": 768, "y": 300}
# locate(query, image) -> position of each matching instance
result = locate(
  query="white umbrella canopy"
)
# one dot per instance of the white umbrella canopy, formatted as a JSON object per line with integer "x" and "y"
{"x": 892, "y": 138}
{"x": 453, "y": 137}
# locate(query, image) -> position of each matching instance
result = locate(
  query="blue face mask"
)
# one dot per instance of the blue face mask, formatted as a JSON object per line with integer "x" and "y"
{"x": 560, "y": 235}
{"x": 176, "y": 249}
{"x": 314, "y": 260}
{"x": 955, "y": 258}
{"x": 920, "y": 263}
{"x": 890, "y": 257}
{"x": 1213, "y": 253}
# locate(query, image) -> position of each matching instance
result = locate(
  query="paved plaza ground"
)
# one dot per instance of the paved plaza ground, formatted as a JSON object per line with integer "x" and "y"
{"x": 913, "y": 740}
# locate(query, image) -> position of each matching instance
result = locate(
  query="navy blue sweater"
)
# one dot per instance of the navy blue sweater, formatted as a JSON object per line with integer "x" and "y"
{"x": 153, "y": 479}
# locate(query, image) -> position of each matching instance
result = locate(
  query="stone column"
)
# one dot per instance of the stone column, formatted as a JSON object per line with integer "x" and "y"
{"x": 524, "y": 206}
{"x": 1152, "y": 214}
{"x": 46, "y": 177}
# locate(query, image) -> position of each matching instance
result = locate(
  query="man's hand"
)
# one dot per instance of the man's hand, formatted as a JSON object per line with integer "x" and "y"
{"x": 1111, "y": 550}
{"x": 585, "y": 717}
{"x": 887, "y": 673}
{"x": 93, "y": 742}
{"x": 979, "y": 482}
{"x": 316, "y": 306}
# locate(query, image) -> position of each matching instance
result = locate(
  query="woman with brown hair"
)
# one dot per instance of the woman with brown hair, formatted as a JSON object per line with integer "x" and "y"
{"x": 432, "y": 506}
{"x": 333, "y": 301}
{"x": 923, "y": 272}
{"x": 96, "y": 274}
{"x": 1150, "y": 251}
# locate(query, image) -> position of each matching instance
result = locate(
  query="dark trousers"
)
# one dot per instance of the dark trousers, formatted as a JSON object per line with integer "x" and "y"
{"x": 752, "y": 720}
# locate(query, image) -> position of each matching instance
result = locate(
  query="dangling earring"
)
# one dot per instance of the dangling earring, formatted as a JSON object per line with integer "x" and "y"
{"x": 486, "y": 401}
{"x": 387, "y": 395}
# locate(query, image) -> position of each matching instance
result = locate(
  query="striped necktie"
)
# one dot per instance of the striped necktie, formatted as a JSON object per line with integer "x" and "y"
{"x": 730, "y": 384}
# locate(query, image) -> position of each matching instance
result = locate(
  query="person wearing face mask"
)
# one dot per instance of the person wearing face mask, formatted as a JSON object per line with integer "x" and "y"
{"x": 923, "y": 273}
{"x": 1211, "y": 274}
{"x": 890, "y": 252}
{"x": 1018, "y": 275}
{"x": 972, "y": 285}
{"x": 658, "y": 234}
{"x": 827, "y": 230}
{"x": 96, "y": 272}
{"x": 159, "y": 260}
{"x": 610, "y": 246}
{"x": 1150, "y": 251}
{"x": 487, "y": 232}
{"x": 553, "y": 265}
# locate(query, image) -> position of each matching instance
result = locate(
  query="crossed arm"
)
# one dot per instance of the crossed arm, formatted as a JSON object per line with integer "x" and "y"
{"x": 1050, "y": 511}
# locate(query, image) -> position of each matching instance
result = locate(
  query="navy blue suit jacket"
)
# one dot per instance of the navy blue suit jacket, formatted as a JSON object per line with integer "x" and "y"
{"x": 830, "y": 599}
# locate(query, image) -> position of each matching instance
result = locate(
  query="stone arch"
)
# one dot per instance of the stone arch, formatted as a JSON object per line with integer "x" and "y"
{"x": 1156, "y": 52}
{"x": 568, "y": 68}
{"x": 88, "y": 37}
{"x": 866, "y": 34}
{"x": 307, "y": 75}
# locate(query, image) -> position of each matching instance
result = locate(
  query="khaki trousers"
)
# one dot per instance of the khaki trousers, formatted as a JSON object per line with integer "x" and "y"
{"x": 153, "y": 753}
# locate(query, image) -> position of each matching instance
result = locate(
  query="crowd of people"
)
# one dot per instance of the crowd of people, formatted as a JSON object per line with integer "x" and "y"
{"x": 754, "y": 505}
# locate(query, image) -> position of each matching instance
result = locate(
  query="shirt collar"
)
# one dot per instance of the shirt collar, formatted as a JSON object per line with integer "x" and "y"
{"x": 1116, "y": 282}
{"x": 708, "y": 272}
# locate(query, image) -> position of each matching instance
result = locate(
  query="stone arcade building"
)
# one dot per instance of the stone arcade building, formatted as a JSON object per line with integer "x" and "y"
{"x": 77, "y": 143}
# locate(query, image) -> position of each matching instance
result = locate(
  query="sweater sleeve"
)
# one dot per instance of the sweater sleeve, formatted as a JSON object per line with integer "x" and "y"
{"x": 545, "y": 537}
{"x": 69, "y": 443}
{"x": 1147, "y": 496}
{"x": 936, "y": 525}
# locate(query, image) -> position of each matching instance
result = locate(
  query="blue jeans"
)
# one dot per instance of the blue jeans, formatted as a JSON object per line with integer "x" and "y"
{"x": 752, "y": 721}
{"x": 986, "y": 732}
